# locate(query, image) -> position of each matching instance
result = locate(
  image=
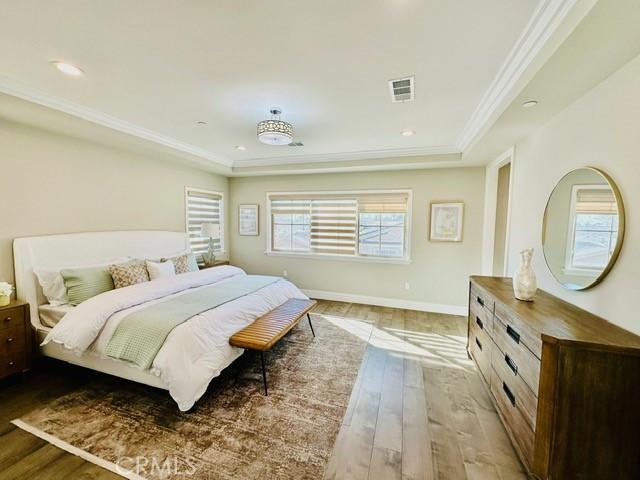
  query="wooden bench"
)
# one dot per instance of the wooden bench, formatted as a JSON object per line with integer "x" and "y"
{"x": 267, "y": 330}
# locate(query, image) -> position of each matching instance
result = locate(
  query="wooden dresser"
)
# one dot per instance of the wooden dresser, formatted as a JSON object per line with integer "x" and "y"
{"x": 565, "y": 382}
{"x": 15, "y": 338}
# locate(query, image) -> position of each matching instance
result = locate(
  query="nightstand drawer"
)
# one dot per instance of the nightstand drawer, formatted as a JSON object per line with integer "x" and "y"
{"x": 11, "y": 317}
{"x": 12, "y": 364}
{"x": 12, "y": 341}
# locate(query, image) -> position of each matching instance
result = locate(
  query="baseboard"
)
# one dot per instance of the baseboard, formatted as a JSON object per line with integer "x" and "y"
{"x": 388, "y": 302}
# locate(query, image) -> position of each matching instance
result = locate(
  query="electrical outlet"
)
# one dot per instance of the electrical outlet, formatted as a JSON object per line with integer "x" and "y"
{"x": 407, "y": 286}
{"x": 284, "y": 273}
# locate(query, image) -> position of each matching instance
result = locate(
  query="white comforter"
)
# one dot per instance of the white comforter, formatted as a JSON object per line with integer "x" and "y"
{"x": 197, "y": 350}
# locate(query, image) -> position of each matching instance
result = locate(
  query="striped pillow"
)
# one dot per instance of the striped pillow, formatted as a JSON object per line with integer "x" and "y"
{"x": 85, "y": 283}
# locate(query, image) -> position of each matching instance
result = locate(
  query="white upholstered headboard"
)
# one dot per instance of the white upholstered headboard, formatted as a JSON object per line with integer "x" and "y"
{"x": 78, "y": 249}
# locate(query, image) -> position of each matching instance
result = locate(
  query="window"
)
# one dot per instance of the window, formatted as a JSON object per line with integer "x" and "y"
{"x": 203, "y": 206}
{"x": 594, "y": 227}
{"x": 346, "y": 224}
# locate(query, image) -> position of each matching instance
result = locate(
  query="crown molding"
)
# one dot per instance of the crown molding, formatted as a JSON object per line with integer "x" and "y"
{"x": 546, "y": 19}
{"x": 348, "y": 167}
{"x": 342, "y": 156}
{"x": 33, "y": 95}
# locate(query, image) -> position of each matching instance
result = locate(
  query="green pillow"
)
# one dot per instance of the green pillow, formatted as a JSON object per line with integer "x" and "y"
{"x": 84, "y": 283}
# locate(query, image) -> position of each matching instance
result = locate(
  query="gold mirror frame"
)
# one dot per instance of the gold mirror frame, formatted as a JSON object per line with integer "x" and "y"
{"x": 621, "y": 227}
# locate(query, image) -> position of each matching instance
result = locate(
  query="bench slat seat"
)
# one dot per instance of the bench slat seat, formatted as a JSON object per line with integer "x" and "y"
{"x": 264, "y": 332}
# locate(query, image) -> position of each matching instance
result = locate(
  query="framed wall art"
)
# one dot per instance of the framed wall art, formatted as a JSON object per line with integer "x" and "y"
{"x": 446, "y": 221}
{"x": 248, "y": 219}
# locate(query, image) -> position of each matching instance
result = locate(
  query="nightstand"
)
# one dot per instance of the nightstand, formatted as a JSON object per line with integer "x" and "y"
{"x": 15, "y": 338}
{"x": 217, "y": 263}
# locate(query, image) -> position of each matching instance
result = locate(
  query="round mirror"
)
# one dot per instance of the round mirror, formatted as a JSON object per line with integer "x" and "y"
{"x": 583, "y": 228}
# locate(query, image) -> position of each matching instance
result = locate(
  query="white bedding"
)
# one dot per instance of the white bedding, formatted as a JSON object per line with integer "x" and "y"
{"x": 197, "y": 350}
{"x": 50, "y": 315}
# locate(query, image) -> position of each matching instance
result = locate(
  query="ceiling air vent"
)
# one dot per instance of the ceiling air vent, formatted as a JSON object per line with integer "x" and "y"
{"x": 401, "y": 89}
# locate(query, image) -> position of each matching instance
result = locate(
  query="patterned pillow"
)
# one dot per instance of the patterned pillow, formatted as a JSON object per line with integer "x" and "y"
{"x": 183, "y": 263}
{"x": 130, "y": 273}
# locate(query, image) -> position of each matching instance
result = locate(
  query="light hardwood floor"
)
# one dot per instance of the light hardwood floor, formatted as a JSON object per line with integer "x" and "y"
{"x": 417, "y": 411}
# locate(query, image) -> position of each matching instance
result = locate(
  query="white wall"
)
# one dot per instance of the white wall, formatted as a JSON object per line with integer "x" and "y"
{"x": 438, "y": 274}
{"x": 600, "y": 129}
{"x": 52, "y": 184}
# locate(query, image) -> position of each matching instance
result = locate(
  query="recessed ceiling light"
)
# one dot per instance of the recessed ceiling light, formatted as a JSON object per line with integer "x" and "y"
{"x": 68, "y": 69}
{"x": 200, "y": 122}
{"x": 530, "y": 103}
{"x": 408, "y": 133}
{"x": 241, "y": 147}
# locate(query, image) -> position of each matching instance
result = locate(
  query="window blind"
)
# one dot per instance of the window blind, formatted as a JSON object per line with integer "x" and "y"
{"x": 203, "y": 207}
{"x": 595, "y": 200}
{"x": 332, "y": 218}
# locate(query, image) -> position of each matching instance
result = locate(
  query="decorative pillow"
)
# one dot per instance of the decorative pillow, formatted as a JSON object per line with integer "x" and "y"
{"x": 130, "y": 273}
{"x": 85, "y": 283}
{"x": 160, "y": 269}
{"x": 53, "y": 286}
{"x": 52, "y": 283}
{"x": 184, "y": 263}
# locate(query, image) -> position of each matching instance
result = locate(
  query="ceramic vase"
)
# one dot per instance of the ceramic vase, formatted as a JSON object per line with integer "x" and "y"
{"x": 4, "y": 300}
{"x": 524, "y": 280}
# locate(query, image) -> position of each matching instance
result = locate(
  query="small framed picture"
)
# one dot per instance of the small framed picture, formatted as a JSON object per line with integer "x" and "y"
{"x": 248, "y": 219}
{"x": 446, "y": 221}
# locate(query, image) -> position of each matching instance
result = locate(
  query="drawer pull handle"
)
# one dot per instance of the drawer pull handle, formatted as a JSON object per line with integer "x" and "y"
{"x": 509, "y": 393}
{"x": 512, "y": 365}
{"x": 479, "y": 322}
{"x": 9, "y": 340}
{"x": 479, "y": 344}
{"x": 480, "y": 301}
{"x": 11, "y": 363}
{"x": 513, "y": 334}
{"x": 7, "y": 319}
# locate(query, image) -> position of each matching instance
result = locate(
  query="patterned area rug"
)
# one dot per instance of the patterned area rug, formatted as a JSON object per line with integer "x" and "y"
{"x": 234, "y": 431}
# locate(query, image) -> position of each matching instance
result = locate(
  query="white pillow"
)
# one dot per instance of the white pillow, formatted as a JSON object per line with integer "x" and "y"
{"x": 52, "y": 285}
{"x": 161, "y": 269}
{"x": 52, "y": 282}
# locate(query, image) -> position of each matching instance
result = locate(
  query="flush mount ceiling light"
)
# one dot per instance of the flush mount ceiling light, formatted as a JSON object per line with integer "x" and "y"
{"x": 68, "y": 69}
{"x": 275, "y": 131}
{"x": 530, "y": 103}
{"x": 408, "y": 133}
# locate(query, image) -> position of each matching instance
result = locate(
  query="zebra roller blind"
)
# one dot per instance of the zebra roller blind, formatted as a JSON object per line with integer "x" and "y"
{"x": 340, "y": 223}
{"x": 203, "y": 206}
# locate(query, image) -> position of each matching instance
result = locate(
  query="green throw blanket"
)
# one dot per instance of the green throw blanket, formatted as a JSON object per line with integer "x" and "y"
{"x": 140, "y": 335}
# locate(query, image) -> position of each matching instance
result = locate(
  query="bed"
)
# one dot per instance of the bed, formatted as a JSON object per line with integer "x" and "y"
{"x": 194, "y": 352}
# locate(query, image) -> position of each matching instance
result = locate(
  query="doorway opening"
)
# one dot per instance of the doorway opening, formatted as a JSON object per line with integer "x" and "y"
{"x": 502, "y": 220}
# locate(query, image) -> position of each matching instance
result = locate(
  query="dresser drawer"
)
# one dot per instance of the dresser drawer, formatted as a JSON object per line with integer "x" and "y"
{"x": 525, "y": 400}
{"x": 11, "y": 317}
{"x": 479, "y": 298}
{"x": 481, "y": 317}
{"x": 506, "y": 401}
{"x": 525, "y": 334}
{"x": 480, "y": 347}
{"x": 519, "y": 356}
